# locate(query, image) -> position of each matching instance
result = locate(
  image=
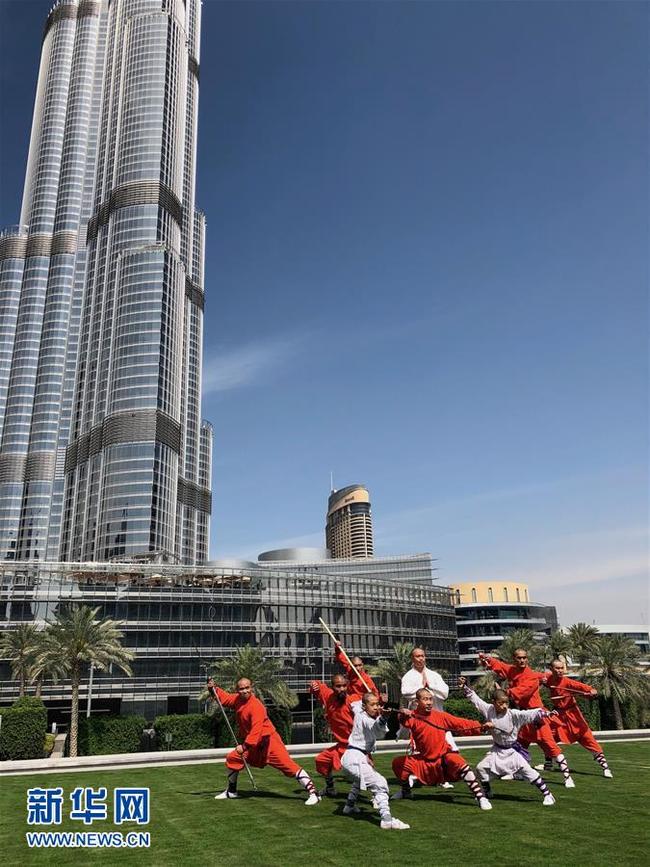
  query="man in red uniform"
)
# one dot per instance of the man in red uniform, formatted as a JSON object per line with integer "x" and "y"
{"x": 434, "y": 761}
{"x": 340, "y": 718}
{"x": 523, "y": 689}
{"x": 260, "y": 745}
{"x": 568, "y": 724}
{"x": 357, "y": 687}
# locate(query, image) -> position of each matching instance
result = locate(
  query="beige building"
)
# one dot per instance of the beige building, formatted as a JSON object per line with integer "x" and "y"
{"x": 348, "y": 529}
{"x": 488, "y": 611}
{"x": 471, "y": 592}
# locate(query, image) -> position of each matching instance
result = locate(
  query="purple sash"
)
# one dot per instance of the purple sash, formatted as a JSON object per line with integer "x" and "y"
{"x": 518, "y": 748}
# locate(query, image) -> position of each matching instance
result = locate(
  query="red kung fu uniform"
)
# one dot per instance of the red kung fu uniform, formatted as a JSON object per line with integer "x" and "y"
{"x": 356, "y": 689}
{"x": 435, "y": 762}
{"x": 263, "y": 745}
{"x": 524, "y": 692}
{"x": 340, "y": 718}
{"x": 570, "y": 726}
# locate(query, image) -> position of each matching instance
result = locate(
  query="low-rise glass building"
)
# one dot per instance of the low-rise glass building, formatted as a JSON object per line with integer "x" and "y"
{"x": 178, "y": 618}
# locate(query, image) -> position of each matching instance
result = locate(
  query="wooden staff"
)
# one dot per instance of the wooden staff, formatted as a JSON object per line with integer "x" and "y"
{"x": 574, "y": 691}
{"x": 350, "y": 663}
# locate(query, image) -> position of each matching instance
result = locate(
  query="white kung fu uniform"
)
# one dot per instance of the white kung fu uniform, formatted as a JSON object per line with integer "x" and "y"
{"x": 356, "y": 760}
{"x": 504, "y": 758}
{"x": 414, "y": 680}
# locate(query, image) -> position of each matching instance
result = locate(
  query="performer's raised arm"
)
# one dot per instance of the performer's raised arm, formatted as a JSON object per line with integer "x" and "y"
{"x": 320, "y": 690}
{"x": 227, "y": 699}
{"x": 476, "y": 700}
{"x": 493, "y": 664}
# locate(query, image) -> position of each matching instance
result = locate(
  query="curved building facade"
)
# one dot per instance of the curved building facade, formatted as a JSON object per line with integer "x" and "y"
{"x": 488, "y": 611}
{"x": 176, "y": 618}
{"x": 295, "y": 555}
{"x": 348, "y": 528}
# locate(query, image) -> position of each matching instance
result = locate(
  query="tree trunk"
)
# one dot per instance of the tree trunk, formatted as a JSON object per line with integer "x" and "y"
{"x": 21, "y": 692}
{"x": 39, "y": 687}
{"x": 74, "y": 715}
{"x": 618, "y": 716}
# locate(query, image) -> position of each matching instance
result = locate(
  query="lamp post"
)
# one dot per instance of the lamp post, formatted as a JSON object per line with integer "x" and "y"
{"x": 311, "y": 666}
{"x": 90, "y": 690}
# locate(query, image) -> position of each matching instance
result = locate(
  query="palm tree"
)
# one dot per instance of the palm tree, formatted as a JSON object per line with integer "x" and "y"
{"x": 560, "y": 643}
{"x": 391, "y": 671}
{"x": 584, "y": 639}
{"x": 265, "y": 674}
{"x": 18, "y": 647}
{"x": 485, "y": 684}
{"x": 614, "y": 672}
{"x": 524, "y": 638}
{"x": 47, "y": 662}
{"x": 78, "y": 638}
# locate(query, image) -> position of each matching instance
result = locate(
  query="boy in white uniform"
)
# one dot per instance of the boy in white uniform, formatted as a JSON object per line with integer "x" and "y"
{"x": 507, "y": 757}
{"x": 356, "y": 761}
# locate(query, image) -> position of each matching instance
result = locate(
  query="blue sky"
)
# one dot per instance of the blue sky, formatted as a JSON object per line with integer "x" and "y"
{"x": 427, "y": 271}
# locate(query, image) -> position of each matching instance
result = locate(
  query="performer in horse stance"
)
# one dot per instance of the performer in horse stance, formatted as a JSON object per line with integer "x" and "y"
{"x": 434, "y": 761}
{"x": 507, "y": 758}
{"x": 369, "y": 724}
{"x": 261, "y": 745}
{"x": 337, "y": 705}
{"x": 568, "y": 723}
{"x": 523, "y": 691}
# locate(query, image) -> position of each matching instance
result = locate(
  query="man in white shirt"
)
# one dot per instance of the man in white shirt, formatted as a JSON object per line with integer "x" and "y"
{"x": 415, "y": 678}
{"x": 418, "y": 676}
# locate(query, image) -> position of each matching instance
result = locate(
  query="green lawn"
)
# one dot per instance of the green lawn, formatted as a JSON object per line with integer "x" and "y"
{"x": 599, "y": 822}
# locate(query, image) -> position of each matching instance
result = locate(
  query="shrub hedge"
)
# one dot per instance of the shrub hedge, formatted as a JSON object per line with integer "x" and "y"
{"x": 191, "y": 731}
{"x": 223, "y": 738}
{"x": 106, "y": 735}
{"x": 460, "y": 706}
{"x": 22, "y": 735}
{"x": 281, "y": 719}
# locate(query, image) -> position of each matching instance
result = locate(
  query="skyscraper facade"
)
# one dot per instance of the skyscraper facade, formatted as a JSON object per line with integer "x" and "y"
{"x": 348, "y": 528}
{"x": 103, "y": 452}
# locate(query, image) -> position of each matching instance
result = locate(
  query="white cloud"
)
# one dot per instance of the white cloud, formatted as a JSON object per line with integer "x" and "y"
{"x": 589, "y": 572}
{"x": 248, "y": 364}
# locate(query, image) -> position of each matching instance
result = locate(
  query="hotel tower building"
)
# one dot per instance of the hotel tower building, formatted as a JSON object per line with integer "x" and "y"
{"x": 103, "y": 454}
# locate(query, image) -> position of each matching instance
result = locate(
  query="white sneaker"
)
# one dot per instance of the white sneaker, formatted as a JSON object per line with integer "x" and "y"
{"x": 569, "y": 784}
{"x": 314, "y": 798}
{"x": 349, "y": 809}
{"x": 412, "y": 780}
{"x": 446, "y": 785}
{"x": 484, "y": 804}
{"x": 507, "y": 777}
{"x": 393, "y": 825}
{"x": 540, "y": 767}
{"x": 548, "y": 801}
{"x": 608, "y": 774}
{"x": 222, "y": 796}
